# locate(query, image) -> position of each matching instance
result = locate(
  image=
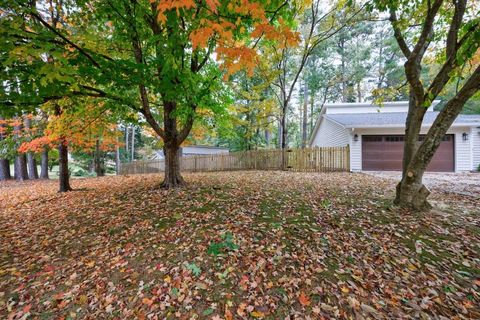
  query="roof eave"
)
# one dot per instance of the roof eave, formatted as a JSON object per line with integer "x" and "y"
{"x": 396, "y": 126}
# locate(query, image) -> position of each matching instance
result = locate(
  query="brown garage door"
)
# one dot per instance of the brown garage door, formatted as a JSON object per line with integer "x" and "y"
{"x": 385, "y": 153}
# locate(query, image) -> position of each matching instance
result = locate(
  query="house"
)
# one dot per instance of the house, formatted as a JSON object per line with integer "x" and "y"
{"x": 194, "y": 150}
{"x": 375, "y": 135}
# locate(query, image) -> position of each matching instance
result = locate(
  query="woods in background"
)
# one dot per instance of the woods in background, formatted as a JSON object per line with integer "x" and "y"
{"x": 240, "y": 74}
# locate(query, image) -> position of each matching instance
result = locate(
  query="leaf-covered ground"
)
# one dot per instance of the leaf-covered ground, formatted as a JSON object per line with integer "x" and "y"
{"x": 235, "y": 245}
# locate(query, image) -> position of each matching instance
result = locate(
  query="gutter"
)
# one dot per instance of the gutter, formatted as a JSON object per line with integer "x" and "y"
{"x": 402, "y": 126}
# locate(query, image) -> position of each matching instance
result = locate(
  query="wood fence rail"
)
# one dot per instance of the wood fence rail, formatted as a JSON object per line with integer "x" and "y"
{"x": 317, "y": 159}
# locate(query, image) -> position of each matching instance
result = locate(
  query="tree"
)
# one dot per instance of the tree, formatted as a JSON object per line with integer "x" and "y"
{"x": 254, "y": 110}
{"x": 20, "y": 165}
{"x": 154, "y": 57}
{"x": 4, "y": 161}
{"x": 31, "y": 161}
{"x": 451, "y": 31}
{"x": 82, "y": 124}
{"x": 317, "y": 24}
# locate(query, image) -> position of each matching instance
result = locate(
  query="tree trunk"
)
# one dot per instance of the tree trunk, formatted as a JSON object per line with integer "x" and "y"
{"x": 32, "y": 166}
{"x": 283, "y": 145}
{"x": 343, "y": 80}
{"x": 21, "y": 172}
{"x": 359, "y": 92}
{"x": 172, "y": 141}
{"x": 173, "y": 178}
{"x": 31, "y": 161}
{"x": 117, "y": 160}
{"x": 312, "y": 107}
{"x": 63, "y": 174}
{"x": 305, "y": 116}
{"x": 99, "y": 168}
{"x": 4, "y": 163}
{"x": 411, "y": 192}
{"x": 44, "y": 164}
{"x": 284, "y": 128}
{"x": 127, "y": 141}
{"x": 267, "y": 137}
{"x": 133, "y": 144}
{"x": 5, "y": 170}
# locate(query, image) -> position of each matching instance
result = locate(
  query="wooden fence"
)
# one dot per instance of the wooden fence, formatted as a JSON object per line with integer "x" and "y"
{"x": 317, "y": 159}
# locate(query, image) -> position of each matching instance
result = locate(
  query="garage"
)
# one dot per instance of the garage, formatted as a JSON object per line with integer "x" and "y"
{"x": 385, "y": 153}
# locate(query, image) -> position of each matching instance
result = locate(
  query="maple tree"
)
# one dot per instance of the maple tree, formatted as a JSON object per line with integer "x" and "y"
{"x": 165, "y": 59}
{"x": 81, "y": 124}
{"x": 450, "y": 32}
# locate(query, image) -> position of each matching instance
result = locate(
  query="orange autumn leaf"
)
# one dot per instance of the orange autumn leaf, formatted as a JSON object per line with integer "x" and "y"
{"x": 147, "y": 301}
{"x": 213, "y": 4}
{"x": 304, "y": 299}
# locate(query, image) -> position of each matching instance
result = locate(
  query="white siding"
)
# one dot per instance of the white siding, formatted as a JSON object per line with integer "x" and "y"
{"x": 463, "y": 156}
{"x": 355, "y": 152}
{"x": 476, "y": 147}
{"x": 330, "y": 134}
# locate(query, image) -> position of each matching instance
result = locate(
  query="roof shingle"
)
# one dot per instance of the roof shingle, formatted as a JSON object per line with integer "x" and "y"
{"x": 355, "y": 120}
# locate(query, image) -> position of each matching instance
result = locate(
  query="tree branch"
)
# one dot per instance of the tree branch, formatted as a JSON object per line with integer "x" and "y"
{"x": 398, "y": 34}
{"x": 54, "y": 30}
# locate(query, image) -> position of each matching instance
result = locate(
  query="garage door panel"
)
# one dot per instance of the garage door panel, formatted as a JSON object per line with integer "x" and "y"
{"x": 386, "y": 153}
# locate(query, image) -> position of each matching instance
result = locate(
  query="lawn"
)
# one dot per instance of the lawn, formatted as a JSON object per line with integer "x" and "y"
{"x": 236, "y": 245}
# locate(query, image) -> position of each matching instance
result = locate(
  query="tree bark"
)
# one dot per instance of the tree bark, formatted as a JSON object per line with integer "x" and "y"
{"x": 63, "y": 174}
{"x": 31, "y": 161}
{"x": 284, "y": 143}
{"x": 4, "y": 163}
{"x": 5, "y": 170}
{"x": 117, "y": 160}
{"x": 305, "y": 116}
{"x": 44, "y": 164}
{"x": 99, "y": 168}
{"x": 127, "y": 141}
{"x": 32, "y": 166}
{"x": 133, "y": 144}
{"x": 21, "y": 172}
{"x": 173, "y": 178}
{"x": 172, "y": 141}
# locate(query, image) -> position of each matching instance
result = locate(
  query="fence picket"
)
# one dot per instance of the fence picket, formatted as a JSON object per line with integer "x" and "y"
{"x": 316, "y": 159}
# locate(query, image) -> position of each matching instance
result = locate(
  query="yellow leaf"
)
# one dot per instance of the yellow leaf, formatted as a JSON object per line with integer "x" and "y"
{"x": 83, "y": 299}
{"x": 257, "y": 314}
